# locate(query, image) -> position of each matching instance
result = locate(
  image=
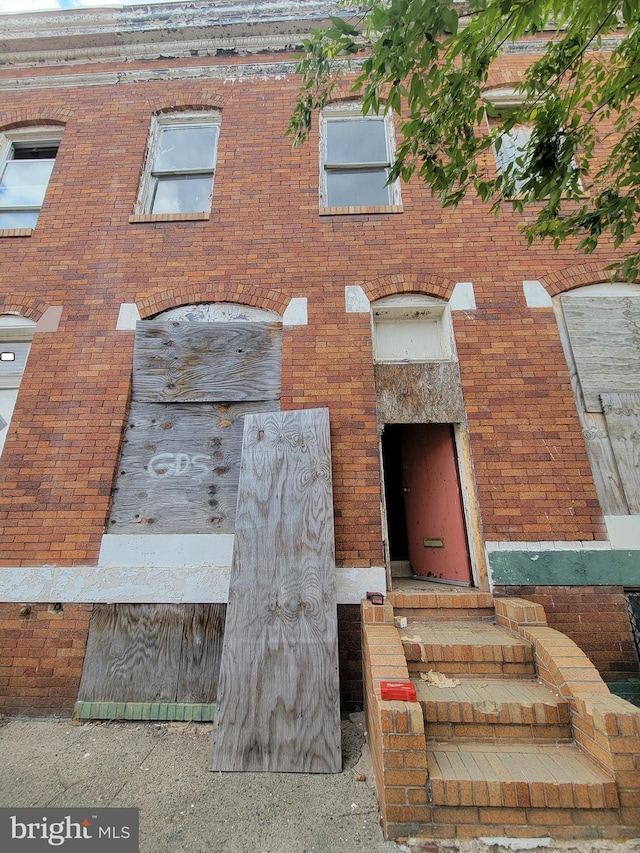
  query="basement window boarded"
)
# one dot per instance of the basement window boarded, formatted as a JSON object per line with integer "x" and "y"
{"x": 177, "y": 182}
{"x": 26, "y": 163}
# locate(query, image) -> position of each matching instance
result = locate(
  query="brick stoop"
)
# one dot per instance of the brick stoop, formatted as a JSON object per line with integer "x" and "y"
{"x": 513, "y": 732}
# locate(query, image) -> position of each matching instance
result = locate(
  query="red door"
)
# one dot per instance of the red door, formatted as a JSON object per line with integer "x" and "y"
{"x": 436, "y": 533}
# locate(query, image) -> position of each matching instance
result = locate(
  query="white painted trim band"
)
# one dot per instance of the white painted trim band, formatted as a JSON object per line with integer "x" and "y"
{"x": 548, "y": 546}
{"x": 157, "y": 585}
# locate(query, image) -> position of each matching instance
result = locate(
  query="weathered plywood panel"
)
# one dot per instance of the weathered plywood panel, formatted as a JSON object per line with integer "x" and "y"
{"x": 179, "y": 468}
{"x": 594, "y": 429}
{"x": 203, "y": 362}
{"x": 622, "y": 413}
{"x": 278, "y": 695}
{"x": 605, "y": 340}
{"x": 153, "y": 653}
{"x": 133, "y": 653}
{"x": 203, "y": 633}
{"x": 419, "y": 393}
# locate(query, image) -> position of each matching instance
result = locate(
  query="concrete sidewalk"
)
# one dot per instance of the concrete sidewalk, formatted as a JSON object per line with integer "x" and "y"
{"x": 162, "y": 770}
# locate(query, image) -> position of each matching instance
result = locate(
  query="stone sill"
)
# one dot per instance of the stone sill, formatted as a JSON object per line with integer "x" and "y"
{"x": 16, "y": 232}
{"x": 346, "y": 211}
{"x": 169, "y": 217}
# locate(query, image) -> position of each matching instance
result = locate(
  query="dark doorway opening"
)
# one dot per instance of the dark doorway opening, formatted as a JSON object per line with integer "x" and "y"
{"x": 393, "y": 492}
{"x": 426, "y": 527}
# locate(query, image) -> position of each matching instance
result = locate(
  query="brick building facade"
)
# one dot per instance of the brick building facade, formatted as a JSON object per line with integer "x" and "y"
{"x": 345, "y": 281}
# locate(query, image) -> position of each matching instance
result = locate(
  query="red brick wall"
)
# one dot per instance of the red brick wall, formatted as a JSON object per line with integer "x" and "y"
{"x": 531, "y": 467}
{"x": 264, "y": 244}
{"x": 594, "y": 617}
{"x": 42, "y": 655}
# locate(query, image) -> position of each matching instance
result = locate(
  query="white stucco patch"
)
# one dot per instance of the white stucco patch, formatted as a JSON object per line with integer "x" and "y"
{"x": 168, "y": 550}
{"x": 152, "y": 584}
{"x": 463, "y": 297}
{"x": 579, "y": 545}
{"x": 296, "y": 312}
{"x": 50, "y": 320}
{"x": 535, "y": 295}
{"x": 128, "y": 316}
{"x": 623, "y": 531}
{"x": 356, "y": 300}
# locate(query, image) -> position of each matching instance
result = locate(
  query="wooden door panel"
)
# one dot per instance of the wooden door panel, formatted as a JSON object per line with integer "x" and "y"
{"x": 436, "y": 532}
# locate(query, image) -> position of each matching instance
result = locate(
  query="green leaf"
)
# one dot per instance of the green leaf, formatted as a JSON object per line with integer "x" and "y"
{"x": 343, "y": 26}
{"x": 450, "y": 19}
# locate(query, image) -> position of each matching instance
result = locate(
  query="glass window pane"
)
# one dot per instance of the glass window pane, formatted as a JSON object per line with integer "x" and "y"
{"x": 356, "y": 141}
{"x": 357, "y": 188}
{"x": 18, "y": 218}
{"x": 183, "y": 147}
{"x": 183, "y": 194}
{"x": 24, "y": 182}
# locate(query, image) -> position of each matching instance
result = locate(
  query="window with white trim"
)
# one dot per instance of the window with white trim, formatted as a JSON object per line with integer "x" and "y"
{"x": 181, "y": 163}
{"x": 511, "y": 148}
{"x": 512, "y": 151}
{"x": 16, "y": 333}
{"x": 356, "y": 153}
{"x": 27, "y": 157}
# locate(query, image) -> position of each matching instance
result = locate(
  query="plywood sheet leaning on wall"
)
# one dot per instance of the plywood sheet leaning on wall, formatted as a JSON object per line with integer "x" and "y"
{"x": 606, "y": 344}
{"x": 278, "y": 692}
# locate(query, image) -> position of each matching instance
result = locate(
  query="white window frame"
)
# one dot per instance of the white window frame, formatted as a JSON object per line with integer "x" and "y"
{"x": 147, "y": 181}
{"x": 353, "y": 110}
{"x": 516, "y": 140}
{"x": 16, "y": 333}
{"x": 37, "y": 136}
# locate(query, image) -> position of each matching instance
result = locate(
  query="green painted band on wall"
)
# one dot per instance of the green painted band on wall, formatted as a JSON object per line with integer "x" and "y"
{"x": 565, "y": 568}
{"x": 164, "y": 711}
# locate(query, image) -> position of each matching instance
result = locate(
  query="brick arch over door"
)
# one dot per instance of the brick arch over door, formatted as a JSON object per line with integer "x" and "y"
{"x": 244, "y": 294}
{"x": 392, "y": 285}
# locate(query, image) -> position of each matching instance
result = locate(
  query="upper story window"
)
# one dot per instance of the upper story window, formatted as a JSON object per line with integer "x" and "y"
{"x": 513, "y": 155}
{"x": 181, "y": 162}
{"x": 356, "y": 152}
{"x": 510, "y": 149}
{"x": 26, "y": 162}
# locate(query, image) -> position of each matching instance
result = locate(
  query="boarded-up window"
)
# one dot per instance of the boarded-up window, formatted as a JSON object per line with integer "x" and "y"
{"x": 605, "y": 340}
{"x": 602, "y": 345}
{"x": 193, "y": 383}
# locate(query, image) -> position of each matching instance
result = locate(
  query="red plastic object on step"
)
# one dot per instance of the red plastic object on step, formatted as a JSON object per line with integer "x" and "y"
{"x": 398, "y": 690}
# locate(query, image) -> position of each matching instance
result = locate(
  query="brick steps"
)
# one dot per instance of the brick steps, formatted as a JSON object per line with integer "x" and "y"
{"x": 523, "y": 739}
{"x": 517, "y": 776}
{"x": 467, "y": 648}
{"x": 491, "y": 709}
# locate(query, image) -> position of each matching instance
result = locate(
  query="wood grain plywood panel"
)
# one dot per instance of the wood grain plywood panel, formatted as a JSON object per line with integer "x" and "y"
{"x": 278, "y": 694}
